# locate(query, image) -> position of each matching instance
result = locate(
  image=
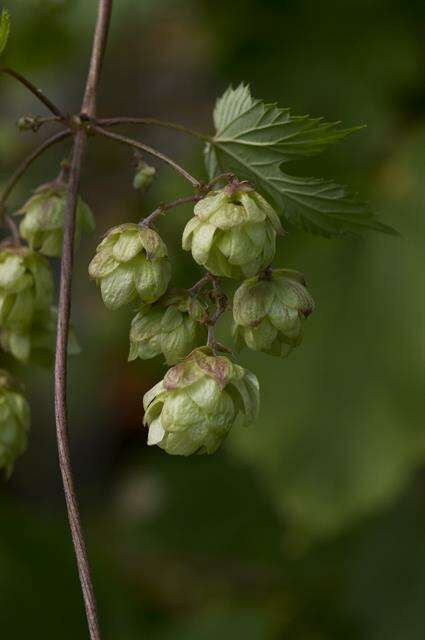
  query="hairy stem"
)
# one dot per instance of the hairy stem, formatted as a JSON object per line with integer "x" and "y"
{"x": 111, "y": 122}
{"x": 27, "y": 162}
{"x": 33, "y": 89}
{"x": 153, "y": 152}
{"x": 64, "y": 310}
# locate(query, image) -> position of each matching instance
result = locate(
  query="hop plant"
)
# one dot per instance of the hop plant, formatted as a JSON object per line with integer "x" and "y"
{"x": 36, "y": 343}
{"x": 268, "y": 311}
{"x": 130, "y": 262}
{"x": 144, "y": 176}
{"x": 42, "y": 224}
{"x": 197, "y": 403}
{"x": 26, "y": 288}
{"x": 14, "y": 422}
{"x": 233, "y": 232}
{"x": 172, "y": 326}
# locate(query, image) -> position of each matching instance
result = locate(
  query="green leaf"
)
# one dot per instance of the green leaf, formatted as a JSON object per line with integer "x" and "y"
{"x": 4, "y": 28}
{"x": 254, "y": 139}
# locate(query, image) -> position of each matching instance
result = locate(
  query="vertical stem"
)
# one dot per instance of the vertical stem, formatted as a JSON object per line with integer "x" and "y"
{"x": 64, "y": 310}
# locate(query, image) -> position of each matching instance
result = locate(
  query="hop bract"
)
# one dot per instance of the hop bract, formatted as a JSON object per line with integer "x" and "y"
{"x": 171, "y": 326}
{"x": 42, "y": 224}
{"x": 131, "y": 262}
{"x": 197, "y": 403}
{"x": 233, "y": 232}
{"x": 14, "y": 422}
{"x": 268, "y": 312}
{"x": 36, "y": 343}
{"x": 26, "y": 288}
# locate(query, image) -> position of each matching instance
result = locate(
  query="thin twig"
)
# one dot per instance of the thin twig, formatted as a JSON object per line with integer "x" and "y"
{"x": 27, "y": 162}
{"x": 33, "y": 89}
{"x": 13, "y": 230}
{"x": 198, "y": 286}
{"x": 64, "y": 310}
{"x": 153, "y": 152}
{"x": 163, "y": 208}
{"x": 112, "y": 122}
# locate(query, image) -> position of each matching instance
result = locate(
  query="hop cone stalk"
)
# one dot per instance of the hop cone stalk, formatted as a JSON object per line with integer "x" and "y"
{"x": 14, "y": 422}
{"x": 42, "y": 224}
{"x": 170, "y": 326}
{"x": 197, "y": 403}
{"x": 268, "y": 312}
{"x": 131, "y": 262}
{"x": 233, "y": 232}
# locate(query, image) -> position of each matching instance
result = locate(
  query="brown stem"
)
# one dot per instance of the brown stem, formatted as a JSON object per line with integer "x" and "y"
{"x": 27, "y": 162}
{"x": 153, "y": 152}
{"x": 163, "y": 208}
{"x": 111, "y": 122}
{"x": 64, "y": 310}
{"x": 33, "y": 89}
{"x": 13, "y": 230}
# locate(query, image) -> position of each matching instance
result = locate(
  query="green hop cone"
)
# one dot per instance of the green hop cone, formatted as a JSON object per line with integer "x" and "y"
{"x": 144, "y": 175}
{"x": 268, "y": 312}
{"x": 26, "y": 287}
{"x": 36, "y": 343}
{"x": 42, "y": 224}
{"x": 233, "y": 232}
{"x": 171, "y": 326}
{"x": 130, "y": 262}
{"x": 197, "y": 403}
{"x": 14, "y": 422}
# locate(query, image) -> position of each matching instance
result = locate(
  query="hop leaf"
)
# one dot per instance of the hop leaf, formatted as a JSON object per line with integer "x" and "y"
{"x": 197, "y": 403}
{"x": 4, "y": 29}
{"x": 254, "y": 139}
{"x": 233, "y": 232}
{"x": 14, "y": 422}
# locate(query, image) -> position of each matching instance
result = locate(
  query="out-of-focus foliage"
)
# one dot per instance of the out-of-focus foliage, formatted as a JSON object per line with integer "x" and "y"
{"x": 308, "y": 525}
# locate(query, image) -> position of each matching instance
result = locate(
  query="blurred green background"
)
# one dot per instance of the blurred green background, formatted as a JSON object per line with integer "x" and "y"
{"x": 309, "y": 525}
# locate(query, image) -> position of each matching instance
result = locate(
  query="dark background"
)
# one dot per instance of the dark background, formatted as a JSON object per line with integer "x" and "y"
{"x": 310, "y": 524}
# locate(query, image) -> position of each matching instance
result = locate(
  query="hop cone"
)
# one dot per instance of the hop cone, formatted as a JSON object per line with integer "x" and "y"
{"x": 42, "y": 224}
{"x": 14, "y": 422}
{"x": 26, "y": 288}
{"x": 171, "y": 326}
{"x": 36, "y": 343}
{"x": 131, "y": 262}
{"x": 233, "y": 232}
{"x": 199, "y": 400}
{"x": 144, "y": 175}
{"x": 268, "y": 312}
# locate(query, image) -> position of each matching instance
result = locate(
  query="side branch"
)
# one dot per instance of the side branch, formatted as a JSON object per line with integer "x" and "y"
{"x": 33, "y": 89}
{"x": 153, "y": 152}
{"x": 112, "y": 122}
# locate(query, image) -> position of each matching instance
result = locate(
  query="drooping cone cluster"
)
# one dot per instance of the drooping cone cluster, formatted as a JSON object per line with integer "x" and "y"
{"x": 233, "y": 232}
{"x": 131, "y": 262}
{"x": 197, "y": 403}
{"x": 268, "y": 311}
{"x": 14, "y": 422}
{"x": 42, "y": 224}
{"x": 170, "y": 326}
